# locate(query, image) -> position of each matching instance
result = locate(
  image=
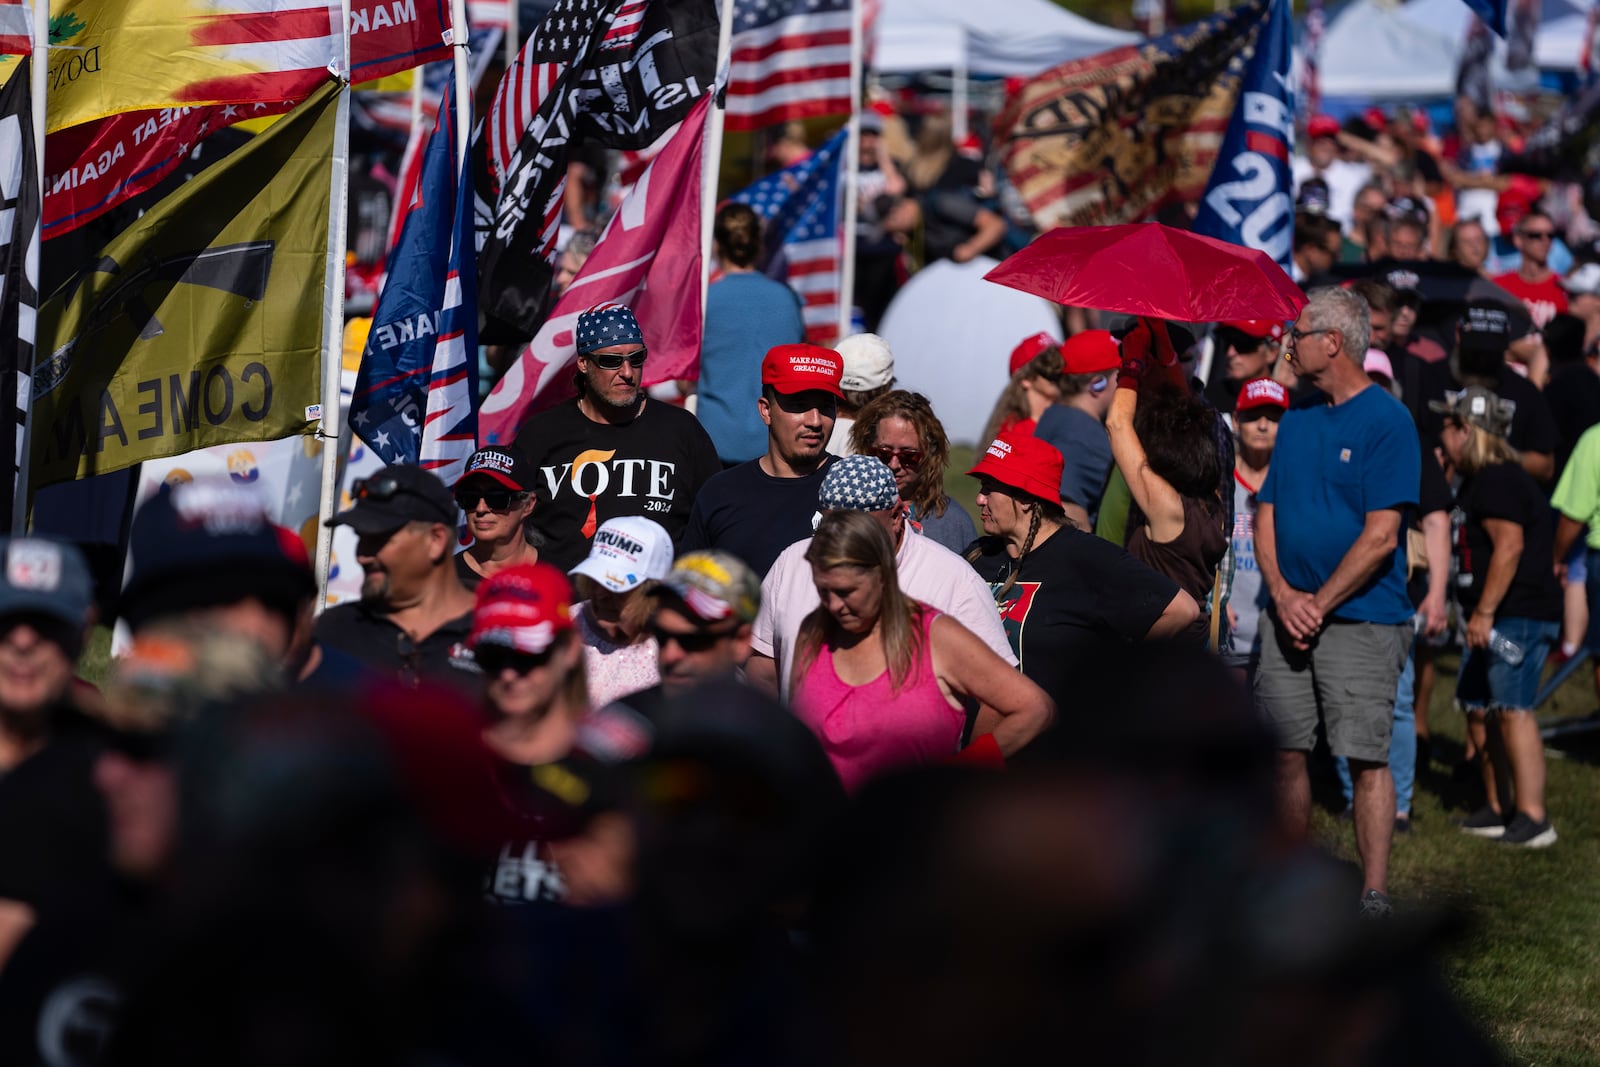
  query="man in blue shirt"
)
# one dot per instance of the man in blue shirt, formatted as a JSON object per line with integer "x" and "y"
{"x": 1329, "y": 550}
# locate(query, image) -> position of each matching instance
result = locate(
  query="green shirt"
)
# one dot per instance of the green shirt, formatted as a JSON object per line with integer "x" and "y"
{"x": 1577, "y": 495}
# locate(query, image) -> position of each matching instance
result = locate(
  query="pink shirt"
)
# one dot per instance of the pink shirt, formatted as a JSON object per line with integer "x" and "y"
{"x": 614, "y": 671}
{"x": 869, "y": 729}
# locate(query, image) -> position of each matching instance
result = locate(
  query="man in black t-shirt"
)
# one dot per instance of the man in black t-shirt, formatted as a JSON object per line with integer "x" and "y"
{"x": 612, "y": 451}
{"x": 759, "y": 508}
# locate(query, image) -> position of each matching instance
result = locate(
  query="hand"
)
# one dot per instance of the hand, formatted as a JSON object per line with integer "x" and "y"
{"x": 1561, "y": 572}
{"x": 1135, "y": 356}
{"x": 962, "y": 253}
{"x": 1435, "y": 616}
{"x": 1299, "y": 614}
{"x": 1478, "y": 628}
{"x": 1161, "y": 341}
{"x": 1233, "y": 618}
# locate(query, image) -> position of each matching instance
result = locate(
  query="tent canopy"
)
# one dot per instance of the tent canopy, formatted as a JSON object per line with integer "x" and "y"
{"x": 1000, "y": 37}
{"x": 1382, "y": 49}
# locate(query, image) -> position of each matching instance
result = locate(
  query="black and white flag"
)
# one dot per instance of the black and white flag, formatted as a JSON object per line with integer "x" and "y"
{"x": 19, "y": 272}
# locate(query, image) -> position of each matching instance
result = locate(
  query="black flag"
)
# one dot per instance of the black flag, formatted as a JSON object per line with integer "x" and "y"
{"x": 19, "y": 271}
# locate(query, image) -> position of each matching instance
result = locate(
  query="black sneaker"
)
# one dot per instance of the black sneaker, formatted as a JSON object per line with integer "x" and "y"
{"x": 1375, "y": 905}
{"x": 1402, "y": 824}
{"x": 1485, "y": 822}
{"x": 1524, "y": 832}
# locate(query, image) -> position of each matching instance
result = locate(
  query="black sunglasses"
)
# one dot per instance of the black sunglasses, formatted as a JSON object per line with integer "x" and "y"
{"x": 614, "y": 361}
{"x": 497, "y": 499}
{"x": 697, "y": 641}
{"x": 142, "y": 746}
{"x": 497, "y": 658}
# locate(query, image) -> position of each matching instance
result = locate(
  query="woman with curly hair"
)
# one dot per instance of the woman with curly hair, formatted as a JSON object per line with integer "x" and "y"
{"x": 1162, "y": 438}
{"x": 901, "y": 429}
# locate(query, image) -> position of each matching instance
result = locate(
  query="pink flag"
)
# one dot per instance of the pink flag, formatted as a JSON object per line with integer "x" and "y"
{"x": 649, "y": 259}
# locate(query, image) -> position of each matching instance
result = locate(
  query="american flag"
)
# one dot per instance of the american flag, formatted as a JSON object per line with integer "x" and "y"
{"x": 801, "y": 206}
{"x": 16, "y": 28}
{"x": 489, "y": 14}
{"x": 790, "y": 60}
{"x": 625, "y": 25}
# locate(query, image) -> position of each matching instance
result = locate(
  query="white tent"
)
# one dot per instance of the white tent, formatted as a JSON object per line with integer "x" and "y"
{"x": 996, "y": 37}
{"x": 1383, "y": 49}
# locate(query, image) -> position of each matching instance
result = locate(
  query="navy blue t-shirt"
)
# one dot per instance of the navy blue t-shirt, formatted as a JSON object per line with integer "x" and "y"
{"x": 1085, "y": 449}
{"x": 1333, "y": 464}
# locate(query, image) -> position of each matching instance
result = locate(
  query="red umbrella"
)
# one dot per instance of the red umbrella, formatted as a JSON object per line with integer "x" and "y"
{"x": 1145, "y": 268}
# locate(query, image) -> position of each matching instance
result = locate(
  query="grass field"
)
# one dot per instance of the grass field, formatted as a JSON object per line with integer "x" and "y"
{"x": 1529, "y": 968}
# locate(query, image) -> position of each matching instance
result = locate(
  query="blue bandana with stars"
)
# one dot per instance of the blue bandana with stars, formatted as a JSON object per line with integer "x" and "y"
{"x": 858, "y": 483}
{"x": 605, "y": 325}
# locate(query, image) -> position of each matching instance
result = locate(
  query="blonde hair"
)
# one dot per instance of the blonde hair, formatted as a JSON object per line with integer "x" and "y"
{"x": 637, "y": 604}
{"x": 856, "y": 539}
{"x": 1484, "y": 449}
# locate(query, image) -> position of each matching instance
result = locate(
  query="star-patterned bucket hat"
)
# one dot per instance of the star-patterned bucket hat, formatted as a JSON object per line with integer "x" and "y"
{"x": 858, "y": 483}
{"x": 605, "y": 325}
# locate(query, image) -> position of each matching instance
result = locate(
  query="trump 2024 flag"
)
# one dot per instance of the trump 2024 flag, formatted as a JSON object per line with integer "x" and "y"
{"x": 1249, "y": 199}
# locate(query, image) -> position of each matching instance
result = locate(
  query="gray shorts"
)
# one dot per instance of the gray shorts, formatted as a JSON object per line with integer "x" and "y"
{"x": 1347, "y": 678}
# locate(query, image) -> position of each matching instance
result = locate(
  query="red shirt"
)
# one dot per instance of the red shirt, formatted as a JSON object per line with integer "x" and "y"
{"x": 1544, "y": 299}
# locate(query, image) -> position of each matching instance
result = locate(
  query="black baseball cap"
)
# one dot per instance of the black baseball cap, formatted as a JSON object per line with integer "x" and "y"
{"x": 501, "y": 466}
{"x": 1487, "y": 327}
{"x": 394, "y": 496}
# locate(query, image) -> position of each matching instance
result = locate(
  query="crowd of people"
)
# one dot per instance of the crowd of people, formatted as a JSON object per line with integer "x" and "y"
{"x": 731, "y": 737}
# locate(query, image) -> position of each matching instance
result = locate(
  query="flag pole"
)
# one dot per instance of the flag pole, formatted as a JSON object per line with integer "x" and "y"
{"x": 852, "y": 174}
{"x": 513, "y": 31}
{"x": 38, "y": 87}
{"x": 711, "y": 160}
{"x": 333, "y": 313}
{"x": 459, "y": 51}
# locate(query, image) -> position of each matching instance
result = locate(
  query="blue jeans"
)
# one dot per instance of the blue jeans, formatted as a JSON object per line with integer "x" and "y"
{"x": 1402, "y": 742}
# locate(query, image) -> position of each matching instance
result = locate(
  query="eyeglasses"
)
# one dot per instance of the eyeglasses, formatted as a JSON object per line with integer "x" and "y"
{"x": 496, "y": 659}
{"x": 910, "y": 458}
{"x": 1536, "y": 235}
{"x": 497, "y": 499}
{"x": 614, "y": 361}
{"x": 692, "y": 642}
{"x": 1296, "y": 336}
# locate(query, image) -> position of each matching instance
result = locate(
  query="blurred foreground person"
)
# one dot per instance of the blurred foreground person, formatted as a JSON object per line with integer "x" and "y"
{"x": 879, "y": 677}
{"x": 980, "y": 918}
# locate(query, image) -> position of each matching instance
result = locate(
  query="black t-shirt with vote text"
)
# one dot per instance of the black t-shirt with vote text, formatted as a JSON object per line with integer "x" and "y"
{"x": 586, "y": 472}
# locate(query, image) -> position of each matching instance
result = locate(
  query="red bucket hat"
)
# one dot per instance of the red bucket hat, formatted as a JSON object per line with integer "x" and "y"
{"x": 1023, "y": 463}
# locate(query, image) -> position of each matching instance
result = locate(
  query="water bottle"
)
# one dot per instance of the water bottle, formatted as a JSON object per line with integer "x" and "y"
{"x": 1505, "y": 648}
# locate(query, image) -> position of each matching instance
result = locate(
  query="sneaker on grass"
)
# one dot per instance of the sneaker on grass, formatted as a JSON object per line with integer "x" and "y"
{"x": 1485, "y": 822}
{"x": 1375, "y": 905}
{"x": 1524, "y": 832}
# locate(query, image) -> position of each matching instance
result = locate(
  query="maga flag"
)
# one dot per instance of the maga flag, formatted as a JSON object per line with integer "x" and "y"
{"x": 111, "y": 56}
{"x": 416, "y": 392}
{"x": 201, "y": 324}
{"x": 1250, "y": 198}
{"x": 1116, "y": 136}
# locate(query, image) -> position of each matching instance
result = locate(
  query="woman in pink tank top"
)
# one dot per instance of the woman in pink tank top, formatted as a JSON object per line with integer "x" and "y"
{"x": 878, "y": 677}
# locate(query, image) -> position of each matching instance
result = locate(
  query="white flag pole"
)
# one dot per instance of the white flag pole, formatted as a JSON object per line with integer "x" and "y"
{"x": 38, "y": 87}
{"x": 711, "y": 160}
{"x": 333, "y": 313}
{"x": 513, "y": 31}
{"x": 852, "y": 173}
{"x": 460, "y": 50}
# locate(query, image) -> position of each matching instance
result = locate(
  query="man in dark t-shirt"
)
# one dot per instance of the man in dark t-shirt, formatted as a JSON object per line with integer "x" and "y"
{"x": 612, "y": 451}
{"x": 757, "y": 509}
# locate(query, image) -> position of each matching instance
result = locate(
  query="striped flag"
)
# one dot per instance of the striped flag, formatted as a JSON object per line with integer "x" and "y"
{"x": 489, "y": 14}
{"x": 801, "y": 206}
{"x": 790, "y": 60}
{"x": 16, "y": 28}
{"x": 415, "y": 399}
{"x": 625, "y": 25}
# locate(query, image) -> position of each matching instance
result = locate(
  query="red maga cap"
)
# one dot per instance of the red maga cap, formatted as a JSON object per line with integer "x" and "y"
{"x": 1261, "y": 329}
{"x": 1262, "y": 393}
{"x": 1322, "y": 126}
{"x": 523, "y": 608}
{"x": 1023, "y": 463}
{"x": 797, "y": 368}
{"x": 1029, "y": 350}
{"x": 1091, "y": 352}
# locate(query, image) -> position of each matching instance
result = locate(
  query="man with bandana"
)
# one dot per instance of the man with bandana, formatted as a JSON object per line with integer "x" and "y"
{"x": 612, "y": 451}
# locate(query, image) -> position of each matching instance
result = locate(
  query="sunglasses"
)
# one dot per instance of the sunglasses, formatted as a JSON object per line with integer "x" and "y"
{"x": 497, "y": 499}
{"x": 697, "y": 641}
{"x": 496, "y": 659}
{"x": 910, "y": 458}
{"x": 142, "y": 746}
{"x": 614, "y": 361}
{"x": 1536, "y": 235}
{"x": 381, "y": 488}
